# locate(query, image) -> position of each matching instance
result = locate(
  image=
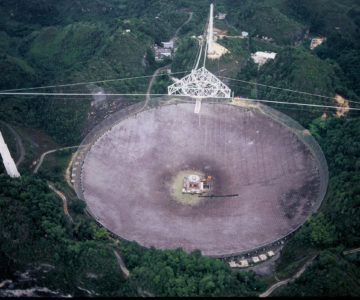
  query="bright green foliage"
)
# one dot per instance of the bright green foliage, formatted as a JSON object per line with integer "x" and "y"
{"x": 37, "y": 205}
{"x": 344, "y": 49}
{"x": 174, "y": 273}
{"x": 185, "y": 57}
{"x": 337, "y": 224}
{"x": 76, "y": 42}
{"x": 323, "y": 15}
{"x": 77, "y": 205}
{"x": 160, "y": 85}
{"x": 318, "y": 232}
{"x": 83, "y": 257}
{"x": 339, "y": 139}
{"x": 299, "y": 70}
{"x": 36, "y": 230}
{"x": 263, "y": 19}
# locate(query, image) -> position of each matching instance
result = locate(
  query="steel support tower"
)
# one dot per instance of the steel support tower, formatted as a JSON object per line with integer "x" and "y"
{"x": 211, "y": 31}
{"x": 9, "y": 163}
{"x": 201, "y": 83}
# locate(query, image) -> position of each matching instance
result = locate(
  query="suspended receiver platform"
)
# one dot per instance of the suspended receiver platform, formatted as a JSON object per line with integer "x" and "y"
{"x": 200, "y": 83}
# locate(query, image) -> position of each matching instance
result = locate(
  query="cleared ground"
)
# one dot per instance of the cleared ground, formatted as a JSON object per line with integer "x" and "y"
{"x": 128, "y": 170}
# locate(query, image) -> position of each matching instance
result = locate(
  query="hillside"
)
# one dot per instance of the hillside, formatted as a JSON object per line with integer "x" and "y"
{"x": 49, "y": 42}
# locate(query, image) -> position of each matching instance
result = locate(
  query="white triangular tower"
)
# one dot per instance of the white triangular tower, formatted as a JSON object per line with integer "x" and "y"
{"x": 9, "y": 163}
{"x": 210, "y": 49}
{"x": 200, "y": 83}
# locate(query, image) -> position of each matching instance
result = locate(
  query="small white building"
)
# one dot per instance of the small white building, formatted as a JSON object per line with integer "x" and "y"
{"x": 263, "y": 257}
{"x": 244, "y": 263}
{"x": 233, "y": 264}
{"x": 220, "y": 16}
{"x": 244, "y": 34}
{"x": 161, "y": 53}
{"x": 168, "y": 45}
{"x": 255, "y": 259}
{"x": 261, "y": 57}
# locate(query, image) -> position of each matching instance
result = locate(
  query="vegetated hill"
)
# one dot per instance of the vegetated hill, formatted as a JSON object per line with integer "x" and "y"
{"x": 83, "y": 32}
{"x": 37, "y": 238}
{"x": 299, "y": 70}
{"x": 47, "y": 42}
{"x": 262, "y": 18}
{"x": 293, "y": 69}
{"x": 330, "y": 275}
{"x": 78, "y": 259}
{"x": 336, "y": 226}
{"x": 287, "y": 22}
{"x": 322, "y": 16}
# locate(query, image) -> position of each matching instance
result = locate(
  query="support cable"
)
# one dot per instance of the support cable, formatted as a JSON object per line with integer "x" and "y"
{"x": 202, "y": 43}
{"x": 296, "y": 97}
{"x": 244, "y": 99}
{"x": 89, "y": 82}
{"x": 302, "y": 104}
{"x": 284, "y": 89}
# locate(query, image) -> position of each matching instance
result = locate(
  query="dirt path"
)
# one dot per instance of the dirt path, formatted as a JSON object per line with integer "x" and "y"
{"x": 121, "y": 264}
{"x": 150, "y": 85}
{"x": 46, "y": 153}
{"x": 351, "y": 251}
{"x": 63, "y": 198}
{"x": 175, "y": 37}
{"x": 19, "y": 145}
{"x": 283, "y": 282}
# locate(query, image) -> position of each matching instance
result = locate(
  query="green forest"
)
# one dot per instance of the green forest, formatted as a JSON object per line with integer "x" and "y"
{"x": 49, "y": 42}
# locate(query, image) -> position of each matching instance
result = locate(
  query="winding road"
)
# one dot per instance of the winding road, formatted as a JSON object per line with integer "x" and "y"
{"x": 351, "y": 251}
{"x": 46, "y": 153}
{"x": 175, "y": 37}
{"x": 121, "y": 264}
{"x": 63, "y": 198}
{"x": 150, "y": 85}
{"x": 283, "y": 282}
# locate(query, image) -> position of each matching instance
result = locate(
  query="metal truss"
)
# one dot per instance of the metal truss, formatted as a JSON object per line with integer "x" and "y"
{"x": 200, "y": 83}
